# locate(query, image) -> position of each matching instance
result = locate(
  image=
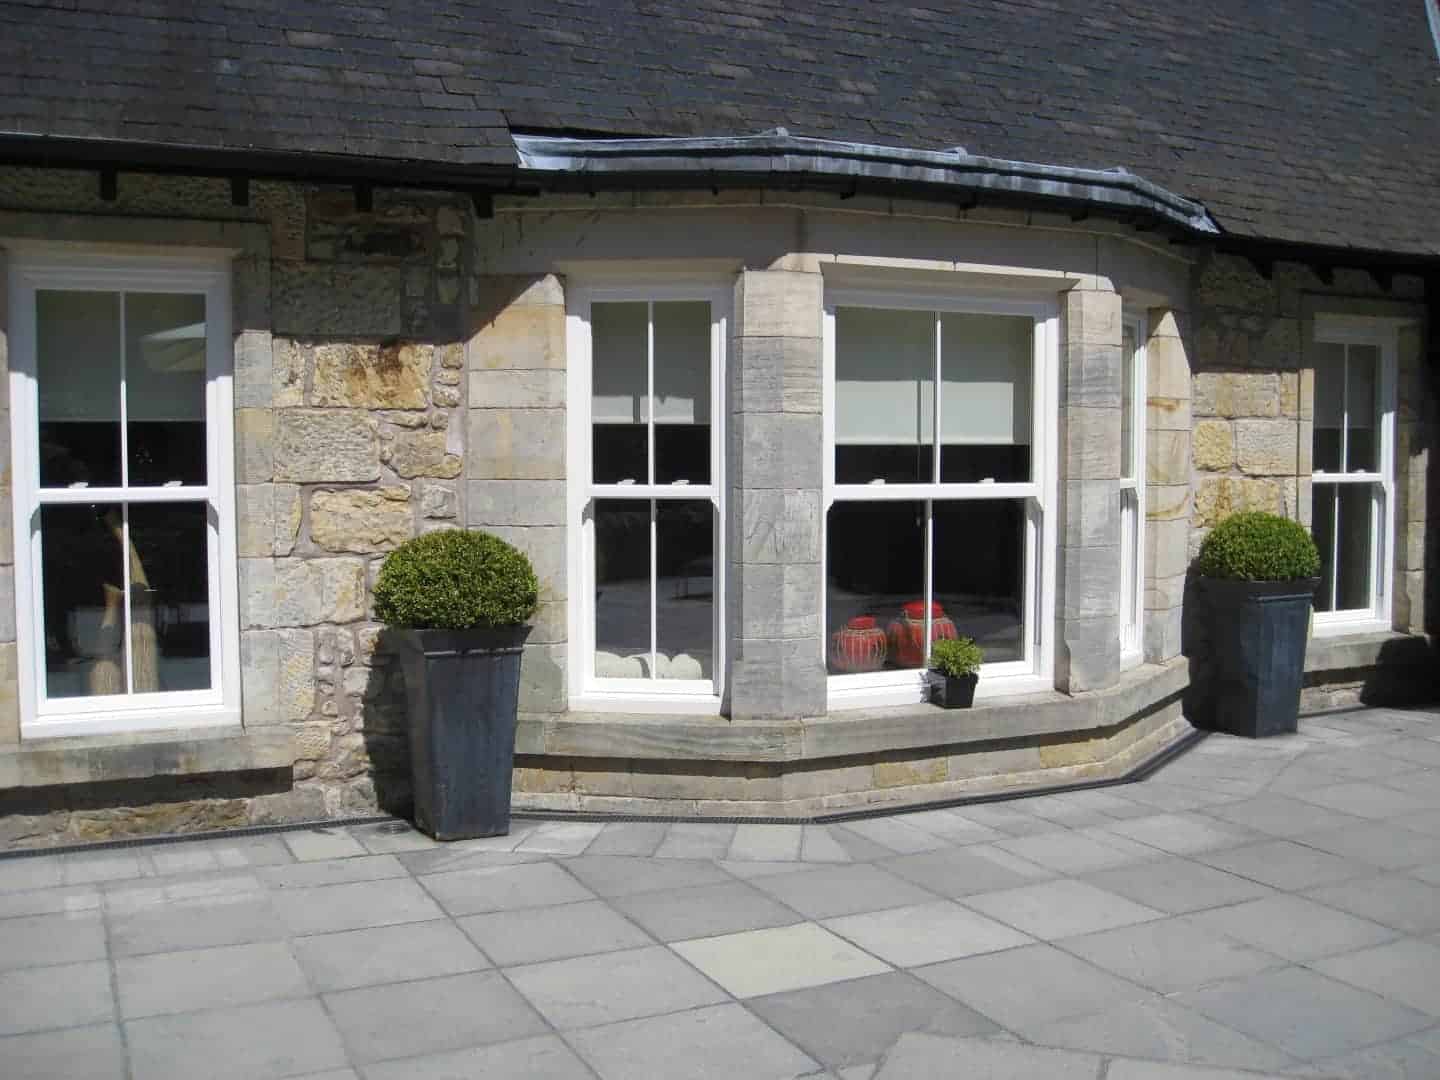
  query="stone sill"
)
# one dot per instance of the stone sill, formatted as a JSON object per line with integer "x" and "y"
{"x": 1349, "y": 652}
{"x": 847, "y": 733}
{"x": 101, "y": 758}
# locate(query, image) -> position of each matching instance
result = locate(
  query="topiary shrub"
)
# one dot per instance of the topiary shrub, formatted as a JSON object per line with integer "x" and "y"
{"x": 956, "y": 657}
{"x": 1256, "y": 546}
{"x": 454, "y": 580}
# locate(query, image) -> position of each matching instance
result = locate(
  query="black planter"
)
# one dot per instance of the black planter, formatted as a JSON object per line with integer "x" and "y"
{"x": 463, "y": 689}
{"x": 1258, "y": 632}
{"x": 953, "y": 691}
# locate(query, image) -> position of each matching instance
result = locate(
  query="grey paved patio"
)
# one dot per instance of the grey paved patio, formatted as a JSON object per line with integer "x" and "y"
{"x": 1256, "y": 909}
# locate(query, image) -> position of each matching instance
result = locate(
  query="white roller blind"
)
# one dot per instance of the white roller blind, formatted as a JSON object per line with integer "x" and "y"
{"x": 619, "y": 347}
{"x": 987, "y": 384}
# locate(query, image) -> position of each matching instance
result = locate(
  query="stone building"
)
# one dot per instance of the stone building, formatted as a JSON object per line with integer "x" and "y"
{"x": 768, "y": 406}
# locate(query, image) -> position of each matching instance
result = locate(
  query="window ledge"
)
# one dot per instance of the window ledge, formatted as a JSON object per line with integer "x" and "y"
{"x": 1336, "y": 651}
{"x": 849, "y": 732}
{"x": 191, "y": 752}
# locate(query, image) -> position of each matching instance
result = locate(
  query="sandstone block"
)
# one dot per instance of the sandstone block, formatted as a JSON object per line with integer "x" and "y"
{"x": 1212, "y": 446}
{"x": 361, "y": 521}
{"x": 776, "y": 374}
{"x": 312, "y": 591}
{"x": 1092, "y": 513}
{"x": 253, "y": 370}
{"x": 372, "y": 376}
{"x": 296, "y": 674}
{"x": 523, "y": 337}
{"x": 1267, "y": 447}
{"x": 1167, "y": 368}
{"x": 778, "y": 303}
{"x": 1229, "y": 281}
{"x": 516, "y": 444}
{"x": 776, "y": 450}
{"x": 260, "y": 677}
{"x": 421, "y": 453}
{"x": 437, "y": 501}
{"x": 1237, "y": 393}
{"x": 1091, "y": 375}
{"x": 254, "y": 445}
{"x": 545, "y": 547}
{"x": 504, "y": 388}
{"x": 780, "y": 526}
{"x": 257, "y": 593}
{"x": 1167, "y": 548}
{"x": 1090, "y": 443}
{"x": 1216, "y": 498}
{"x": 1167, "y": 457}
{"x": 1164, "y": 502}
{"x": 1087, "y": 653}
{"x": 890, "y": 774}
{"x": 1167, "y": 414}
{"x": 1164, "y": 593}
{"x": 333, "y": 299}
{"x": 1088, "y": 582}
{"x": 287, "y": 373}
{"x": 326, "y": 445}
{"x": 1162, "y": 635}
{"x": 515, "y": 502}
{"x": 1092, "y": 317}
{"x": 255, "y": 520}
{"x": 542, "y": 679}
{"x": 9, "y": 695}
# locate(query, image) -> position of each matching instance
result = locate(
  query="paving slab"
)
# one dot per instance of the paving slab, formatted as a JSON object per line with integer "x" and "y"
{"x": 89, "y": 1053}
{"x": 194, "y": 923}
{"x": 591, "y": 990}
{"x": 848, "y": 1023}
{"x": 1004, "y": 985}
{"x": 1284, "y": 864}
{"x": 501, "y": 888}
{"x": 1294, "y": 927}
{"x": 309, "y": 845}
{"x": 1304, "y": 1013}
{"x": 354, "y": 905}
{"x": 963, "y": 871}
{"x": 925, "y": 933}
{"x": 766, "y": 843}
{"x": 1383, "y": 844}
{"x": 58, "y": 996}
{"x": 720, "y": 1043}
{"x": 1176, "y": 885}
{"x": 49, "y": 901}
{"x": 628, "y": 838}
{"x": 1395, "y": 900}
{"x": 1076, "y": 852}
{"x": 33, "y": 872}
{"x": 385, "y": 954}
{"x": 222, "y": 1044}
{"x": 893, "y": 833}
{"x": 1169, "y": 954}
{"x": 952, "y": 827}
{"x": 705, "y": 911}
{"x": 90, "y": 867}
{"x": 543, "y": 1058}
{"x": 1400, "y": 1059}
{"x": 1182, "y": 833}
{"x": 818, "y": 844}
{"x": 1366, "y": 799}
{"x": 759, "y": 962}
{"x": 842, "y": 890}
{"x": 561, "y": 838}
{"x": 696, "y": 840}
{"x": 159, "y": 983}
{"x": 1406, "y": 971}
{"x": 618, "y": 875}
{"x": 534, "y": 935}
{"x": 1130, "y": 1069}
{"x": 430, "y": 1016}
{"x": 306, "y": 875}
{"x": 924, "y": 1057}
{"x": 65, "y": 937}
{"x": 1281, "y": 816}
{"x": 1062, "y": 908}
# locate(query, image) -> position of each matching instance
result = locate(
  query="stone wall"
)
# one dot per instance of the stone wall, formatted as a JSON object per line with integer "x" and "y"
{"x": 349, "y": 384}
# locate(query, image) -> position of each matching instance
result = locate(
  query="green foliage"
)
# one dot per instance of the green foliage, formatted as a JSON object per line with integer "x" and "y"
{"x": 1256, "y": 546}
{"x": 956, "y": 656}
{"x": 454, "y": 580}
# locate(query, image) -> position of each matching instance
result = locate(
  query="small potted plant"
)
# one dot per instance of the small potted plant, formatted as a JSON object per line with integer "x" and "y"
{"x": 1258, "y": 577}
{"x": 457, "y": 603}
{"x": 955, "y": 671}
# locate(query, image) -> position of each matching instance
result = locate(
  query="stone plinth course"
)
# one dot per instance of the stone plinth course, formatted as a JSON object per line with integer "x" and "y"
{"x": 1252, "y": 910}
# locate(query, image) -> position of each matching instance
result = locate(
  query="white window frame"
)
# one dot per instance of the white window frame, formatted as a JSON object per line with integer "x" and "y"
{"x": 1035, "y": 671}
{"x": 1382, "y": 334}
{"x": 1132, "y": 510}
{"x": 587, "y": 691}
{"x": 204, "y": 273}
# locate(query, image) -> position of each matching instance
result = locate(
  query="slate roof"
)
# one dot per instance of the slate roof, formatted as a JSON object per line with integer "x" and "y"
{"x": 1313, "y": 121}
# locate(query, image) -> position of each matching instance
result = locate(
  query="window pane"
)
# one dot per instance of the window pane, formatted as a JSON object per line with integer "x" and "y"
{"x": 685, "y": 596}
{"x": 1329, "y": 405}
{"x": 77, "y": 368}
{"x": 622, "y": 588}
{"x": 980, "y": 574}
{"x": 1127, "y": 402}
{"x": 1342, "y": 517}
{"x": 83, "y": 584}
{"x": 169, "y": 597}
{"x": 875, "y": 587}
{"x": 1130, "y": 576}
{"x": 884, "y": 395}
{"x": 985, "y": 410}
{"x": 165, "y": 387}
{"x": 682, "y": 392}
{"x": 619, "y": 347}
{"x": 1363, "y": 362}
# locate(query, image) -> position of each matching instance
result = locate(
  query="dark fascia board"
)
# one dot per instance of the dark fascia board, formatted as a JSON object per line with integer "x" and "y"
{"x": 777, "y": 155}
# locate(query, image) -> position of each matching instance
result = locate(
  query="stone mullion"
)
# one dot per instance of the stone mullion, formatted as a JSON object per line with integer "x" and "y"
{"x": 1167, "y": 482}
{"x": 1088, "y": 572}
{"x": 774, "y": 498}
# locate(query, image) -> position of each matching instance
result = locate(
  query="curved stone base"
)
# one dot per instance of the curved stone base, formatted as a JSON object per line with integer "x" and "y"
{"x": 875, "y": 759}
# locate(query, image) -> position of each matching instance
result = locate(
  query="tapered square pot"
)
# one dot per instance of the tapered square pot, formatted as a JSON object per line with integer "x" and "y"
{"x": 463, "y": 689}
{"x": 1258, "y": 634}
{"x": 953, "y": 691}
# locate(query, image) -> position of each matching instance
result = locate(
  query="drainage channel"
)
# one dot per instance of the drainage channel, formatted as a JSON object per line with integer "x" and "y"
{"x": 397, "y": 826}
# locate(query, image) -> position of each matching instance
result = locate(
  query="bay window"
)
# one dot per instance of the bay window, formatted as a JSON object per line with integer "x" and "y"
{"x": 939, "y": 469}
{"x": 647, "y": 403}
{"x": 1352, "y": 488}
{"x": 123, "y": 498}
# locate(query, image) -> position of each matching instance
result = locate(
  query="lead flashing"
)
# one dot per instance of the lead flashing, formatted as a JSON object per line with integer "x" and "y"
{"x": 780, "y": 154}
